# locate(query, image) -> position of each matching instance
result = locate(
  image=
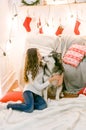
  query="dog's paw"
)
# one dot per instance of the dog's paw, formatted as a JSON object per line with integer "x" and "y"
{"x": 61, "y": 95}
{"x": 57, "y": 98}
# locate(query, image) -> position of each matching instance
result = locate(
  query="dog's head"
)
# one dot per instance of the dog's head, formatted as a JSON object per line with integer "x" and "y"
{"x": 53, "y": 61}
{"x": 48, "y": 61}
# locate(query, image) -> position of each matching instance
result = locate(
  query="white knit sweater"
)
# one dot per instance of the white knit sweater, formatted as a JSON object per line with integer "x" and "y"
{"x": 36, "y": 85}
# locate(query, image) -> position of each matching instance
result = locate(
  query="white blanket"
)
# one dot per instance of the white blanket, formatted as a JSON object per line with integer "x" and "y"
{"x": 65, "y": 114}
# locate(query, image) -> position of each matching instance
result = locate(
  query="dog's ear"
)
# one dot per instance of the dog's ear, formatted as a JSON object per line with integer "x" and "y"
{"x": 56, "y": 55}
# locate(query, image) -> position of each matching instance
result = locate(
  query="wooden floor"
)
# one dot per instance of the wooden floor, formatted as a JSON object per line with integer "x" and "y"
{"x": 15, "y": 85}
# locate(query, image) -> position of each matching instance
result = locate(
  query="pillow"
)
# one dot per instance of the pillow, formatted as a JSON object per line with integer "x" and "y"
{"x": 13, "y": 96}
{"x": 82, "y": 91}
{"x": 75, "y": 54}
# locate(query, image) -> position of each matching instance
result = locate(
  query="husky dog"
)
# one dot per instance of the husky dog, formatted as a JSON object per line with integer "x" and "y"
{"x": 52, "y": 65}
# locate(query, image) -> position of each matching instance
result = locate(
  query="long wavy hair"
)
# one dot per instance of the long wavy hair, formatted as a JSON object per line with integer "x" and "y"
{"x": 31, "y": 64}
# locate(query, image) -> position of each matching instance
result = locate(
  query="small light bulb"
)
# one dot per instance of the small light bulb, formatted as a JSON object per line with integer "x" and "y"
{"x": 4, "y": 53}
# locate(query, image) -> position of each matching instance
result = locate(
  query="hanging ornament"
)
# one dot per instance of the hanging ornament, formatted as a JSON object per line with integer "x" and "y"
{"x": 3, "y": 52}
{"x": 39, "y": 26}
{"x": 59, "y": 30}
{"x": 76, "y": 28}
{"x": 26, "y": 23}
{"x": 40, "y": 30}
{"x": 30, "y": 2}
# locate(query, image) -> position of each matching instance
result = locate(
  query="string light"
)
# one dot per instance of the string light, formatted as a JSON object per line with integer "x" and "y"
{"x": 3, "y": 52}
{"x": 9, "y": 41}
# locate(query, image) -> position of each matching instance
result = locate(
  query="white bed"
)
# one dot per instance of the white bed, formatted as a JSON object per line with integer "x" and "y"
{"x": 65, "y": 114}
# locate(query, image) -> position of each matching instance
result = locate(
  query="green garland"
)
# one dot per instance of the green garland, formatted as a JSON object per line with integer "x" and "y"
{"x": 33, "y": 3}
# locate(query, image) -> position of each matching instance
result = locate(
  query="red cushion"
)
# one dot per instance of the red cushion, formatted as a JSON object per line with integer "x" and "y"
{"x": 74, "y": 55}
{"x": 82, "y": 91}
{"x": 13, "y": 96}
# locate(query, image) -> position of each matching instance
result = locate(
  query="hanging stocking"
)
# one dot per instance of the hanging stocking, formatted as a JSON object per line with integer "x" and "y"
{"x": 39, "y": 26}
{"x": 59, "y": 30}
{"x": 76, "y": 28}
{"x": 26, "y": 23}
{"x": 40, "y": 30}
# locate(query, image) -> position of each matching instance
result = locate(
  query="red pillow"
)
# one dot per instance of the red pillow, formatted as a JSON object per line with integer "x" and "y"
{"x": 82, "y": 91}
{"x": 74, "y": 55}
{"x": 13, "y": 96}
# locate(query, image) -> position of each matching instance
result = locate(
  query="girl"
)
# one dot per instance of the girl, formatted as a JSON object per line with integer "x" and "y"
{"x": 32, "y": 92}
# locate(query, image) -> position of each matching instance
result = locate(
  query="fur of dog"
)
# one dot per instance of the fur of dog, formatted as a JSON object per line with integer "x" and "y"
{"x": 52, "y": 64}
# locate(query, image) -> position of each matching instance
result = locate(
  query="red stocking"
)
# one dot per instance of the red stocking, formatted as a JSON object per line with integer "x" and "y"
{"x": 59, "y": 30}
{"x": 40, "y": 30}
{"x": 39, "y": 26}
{"x": 76, "y": 28}
{"x": 26, "y": 23}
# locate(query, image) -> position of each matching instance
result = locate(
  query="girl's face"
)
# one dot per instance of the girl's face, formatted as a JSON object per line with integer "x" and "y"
{"x": 39, "y": 56}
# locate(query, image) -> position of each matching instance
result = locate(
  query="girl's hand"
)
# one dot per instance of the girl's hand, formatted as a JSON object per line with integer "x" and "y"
{"x": 57, "y": 78}
{"x": 53, "y": 78}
